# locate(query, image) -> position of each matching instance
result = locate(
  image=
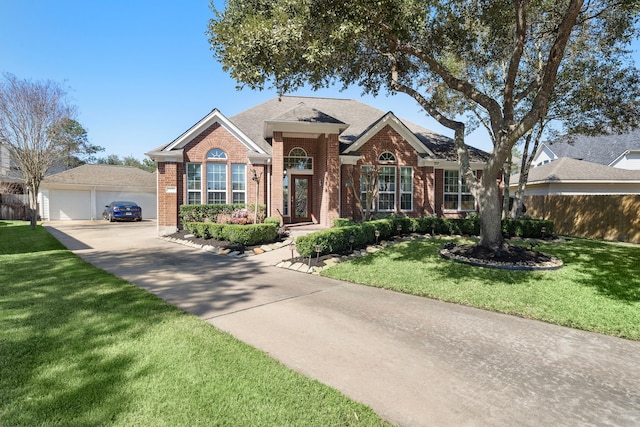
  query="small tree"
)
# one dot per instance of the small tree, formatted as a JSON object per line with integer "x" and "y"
{"x": 38, "y": 127}
{"x": 368, "y": 179}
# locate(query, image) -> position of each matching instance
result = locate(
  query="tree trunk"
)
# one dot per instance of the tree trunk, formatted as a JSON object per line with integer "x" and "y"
{"x": 490, "y": 213}
{"x": 33, "y": 205}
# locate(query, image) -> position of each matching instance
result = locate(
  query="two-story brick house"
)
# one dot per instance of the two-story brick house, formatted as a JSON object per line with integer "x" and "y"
{"x": 302, "y": 157}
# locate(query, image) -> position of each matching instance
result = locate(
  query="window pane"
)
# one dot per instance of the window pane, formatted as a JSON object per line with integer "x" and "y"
{"x": 386, "y": 201}
{"x": 468, "y": 203}
{"x": 406, "y": 180}
{"x": 216, "y": 177}
{"x": 450, "y": 181}
{"x": 387, "y": 179}
{"x": 216, "y": 153}
{"x": 406, "y": 202}
{"x": 238, "y": 198}
{"x": 451, "y": 201}
{"x": 216, "y": 198}
{"x": 238, "y": 177}
{"x": 194, "y": 177}
{"x": 193, "y": 198}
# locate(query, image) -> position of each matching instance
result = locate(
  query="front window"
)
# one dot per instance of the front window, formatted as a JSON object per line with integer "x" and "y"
{"x": 406, "y": 188}
{"x": 298, "y": 159}
{"x": 216, "y": 183}
{"x": 456, "y": 194}
{"x": 238, "y": 183}
{"x": 194, "y": 183}
{"x": 387, "y": 189}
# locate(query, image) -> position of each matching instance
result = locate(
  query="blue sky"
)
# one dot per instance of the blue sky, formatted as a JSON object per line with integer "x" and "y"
{"x": 141, "y": 72}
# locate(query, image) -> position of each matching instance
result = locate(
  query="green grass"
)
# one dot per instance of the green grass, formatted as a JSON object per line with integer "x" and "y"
{"x": 80, "y": 347}
{"x": 598, "y": 289}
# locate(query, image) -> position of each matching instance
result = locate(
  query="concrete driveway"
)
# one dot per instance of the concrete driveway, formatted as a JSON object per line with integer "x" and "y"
{"x": 415, "y": 361}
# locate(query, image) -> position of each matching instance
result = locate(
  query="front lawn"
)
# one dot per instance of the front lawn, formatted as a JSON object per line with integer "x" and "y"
{"x": 80, "y": 347}
{"x": 598, "y": 289}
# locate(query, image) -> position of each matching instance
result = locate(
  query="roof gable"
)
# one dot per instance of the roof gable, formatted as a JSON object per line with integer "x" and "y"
{"x": 391, "y": 120}
{"x": 209, "y": 120}
{"x": 601, "y": 149}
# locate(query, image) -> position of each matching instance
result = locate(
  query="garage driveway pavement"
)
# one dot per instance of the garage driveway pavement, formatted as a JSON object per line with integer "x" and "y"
{"x": 415, "y": 361}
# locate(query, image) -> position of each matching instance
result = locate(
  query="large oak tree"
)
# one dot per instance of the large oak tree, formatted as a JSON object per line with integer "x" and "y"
{"x": 442, "y": 53}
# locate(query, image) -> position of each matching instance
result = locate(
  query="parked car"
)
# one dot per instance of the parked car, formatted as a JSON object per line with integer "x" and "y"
{"x": 122, "y": 211}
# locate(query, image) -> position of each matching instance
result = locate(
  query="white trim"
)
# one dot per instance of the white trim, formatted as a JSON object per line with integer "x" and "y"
{"x": 391, "y": 120}
{"x": 349, "y": 160}
{"x": 291, "y": 129}
{"x": 212, "y": 118}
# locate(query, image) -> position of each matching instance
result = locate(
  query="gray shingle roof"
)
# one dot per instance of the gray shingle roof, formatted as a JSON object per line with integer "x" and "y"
{"x": 107, "y": 175}
{"x": 602, "y": 149}
{"x": 567, "y": 169}
{"x": 357, "y": 115}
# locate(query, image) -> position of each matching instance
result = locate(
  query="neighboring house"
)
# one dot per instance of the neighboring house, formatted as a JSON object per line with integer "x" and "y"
{"x": 585, "y": 199}
{"x": 618, "y": 151}
{"x": 307, "y": 154}
{"x": 9, "y": 172}
{"x": 84, "y": 191}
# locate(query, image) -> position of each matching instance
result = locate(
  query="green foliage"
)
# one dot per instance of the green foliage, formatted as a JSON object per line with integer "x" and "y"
{"x": 342, "y": 222}
{"x": 248, "y": 235}
{"x": 536, "y": 228}
{"x": 113, "y": 159}
{"x": 336, "y": 240}
{"x": 272, "y": 220}
{"x": 202, "y": 213}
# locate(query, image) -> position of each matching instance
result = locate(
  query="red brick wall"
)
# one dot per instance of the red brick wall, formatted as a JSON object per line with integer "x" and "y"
{"x": 167, "y": 201}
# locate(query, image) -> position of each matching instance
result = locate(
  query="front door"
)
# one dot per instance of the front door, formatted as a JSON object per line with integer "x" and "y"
{"x": 301, "y": 199}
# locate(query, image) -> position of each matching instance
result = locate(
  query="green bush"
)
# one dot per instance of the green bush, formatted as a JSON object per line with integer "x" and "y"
{"x": 272, "y": 220}
{"x": 336, "y": 240}
{"x": 202, "y": 213}
{"x": 342, "y": 222}
{"x": 248, "y": 235}
{"x": 527, "y": 228}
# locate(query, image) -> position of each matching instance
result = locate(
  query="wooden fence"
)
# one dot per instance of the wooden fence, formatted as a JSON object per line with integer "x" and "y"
{"x": 604, "y": 217}
{"x": 14, "y": 206}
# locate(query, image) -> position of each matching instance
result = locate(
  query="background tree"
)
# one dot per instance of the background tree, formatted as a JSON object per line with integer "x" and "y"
{"x": 441, "y": 53}
{"x": 38, "y": 127}
{"x": 113, "y": 159}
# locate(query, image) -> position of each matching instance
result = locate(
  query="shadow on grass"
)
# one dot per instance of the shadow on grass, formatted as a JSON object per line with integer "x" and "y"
{"x": 61, "y": 339}
{"x": 18, "y": 237}
{"x": 613, "y": 270}
{"x": 70, "y": 333}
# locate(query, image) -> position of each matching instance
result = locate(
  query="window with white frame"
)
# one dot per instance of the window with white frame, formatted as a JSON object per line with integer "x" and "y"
{"x": 387, "y": 157}
{"x": 456, "y": 194}
{"x": 406, "y": 188}
{"x": 194, "y": 183}
{"x": 298, "y": 159}
{"x": 216, "y": 183}
{"x": 238, "y": 183}
{"x": 216, "y": 154}
{"x": 387, "y": 189}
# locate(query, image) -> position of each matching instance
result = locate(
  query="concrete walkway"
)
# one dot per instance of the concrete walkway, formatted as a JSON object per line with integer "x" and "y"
{"x": 415, "y": 361}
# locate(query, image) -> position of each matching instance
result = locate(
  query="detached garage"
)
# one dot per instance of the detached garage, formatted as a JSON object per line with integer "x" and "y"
{"x": 83, "y": 192}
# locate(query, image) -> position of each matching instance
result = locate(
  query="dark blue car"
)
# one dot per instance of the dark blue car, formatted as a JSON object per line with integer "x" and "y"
{"x": 116, "y": 211}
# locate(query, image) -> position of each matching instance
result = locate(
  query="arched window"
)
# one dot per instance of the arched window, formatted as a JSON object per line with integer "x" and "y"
{"x": 298, "y": 159}
{"x": 386, "y": 157}
{"x": 217, "y": 154}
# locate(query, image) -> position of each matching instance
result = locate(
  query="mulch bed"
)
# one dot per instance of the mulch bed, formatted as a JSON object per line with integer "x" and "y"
{"x": 511, "y": 257}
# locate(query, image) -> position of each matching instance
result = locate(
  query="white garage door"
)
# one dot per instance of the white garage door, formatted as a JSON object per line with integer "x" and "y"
{"x": 66, "y": 204}
{"x": 147, "y": 201}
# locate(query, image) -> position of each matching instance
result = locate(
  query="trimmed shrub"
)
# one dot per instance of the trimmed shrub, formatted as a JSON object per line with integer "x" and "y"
{"x": 248, "y": 235}
{"x": 342, "y": 222}
{"x": 203, "y": 213}
{"x": 527, "y": 228}
{"x": 337, "y": 239}
{"x": 272, "y": 220}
